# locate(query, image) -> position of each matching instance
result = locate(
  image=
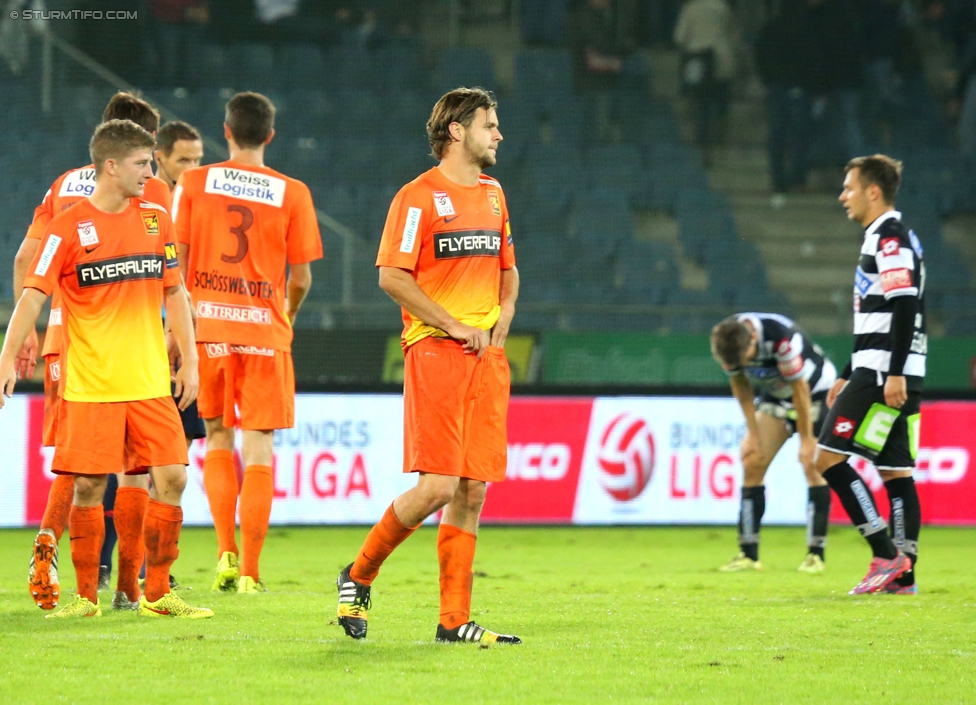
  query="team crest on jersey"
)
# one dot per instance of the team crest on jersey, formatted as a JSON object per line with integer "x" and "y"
{"x": 442, "y": 202}
{"x": 150, "y": 219}
{"x": 87, "y": 234}
{"x": 496, "y": 204}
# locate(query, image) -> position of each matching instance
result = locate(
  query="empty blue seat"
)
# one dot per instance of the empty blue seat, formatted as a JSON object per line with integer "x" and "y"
{"x": 464, "y": 66}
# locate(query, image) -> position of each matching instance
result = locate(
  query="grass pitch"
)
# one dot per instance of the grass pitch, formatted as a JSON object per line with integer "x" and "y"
{"x": 607, "y": 615}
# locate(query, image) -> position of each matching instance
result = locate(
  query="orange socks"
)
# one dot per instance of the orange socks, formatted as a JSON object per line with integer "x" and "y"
{"x": 163, "y": 523}
{"x": 257, "y": 491}
{"x": 86, "y": 526}
{"x": 59, "y": 500}
{"x": 455, "y": 551}
{"x": 130, "y": 512}
{"x": 220, "y": 482}
{"x": 385, "y": 536}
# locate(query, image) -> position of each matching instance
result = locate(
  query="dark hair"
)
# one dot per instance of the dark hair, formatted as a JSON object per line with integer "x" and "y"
{"x": 881, "y": 171}
{"x": 730, "y": 340}
{"x": 125, "y": 106}
{"x": 460, "y": 106}
{"x": 116, "y": 139}
{"x": 250, "y": 117}
{"x": 172, "y": 132}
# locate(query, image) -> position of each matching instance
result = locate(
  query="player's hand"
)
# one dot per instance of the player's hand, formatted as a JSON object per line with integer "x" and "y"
{"x": 27, "y": 357}
{"x": 834, "y": 391}
{"x": 895, "y": 391}
{"x": 499, "y": 333}
{"x": 808, "y": 450}
{"x": 187, "y": 381}
{"x": 173, "y": 353}
{"x": 475, "y": 339}
{"x": 8, "y": 379}
{"x": 749, "y": 448}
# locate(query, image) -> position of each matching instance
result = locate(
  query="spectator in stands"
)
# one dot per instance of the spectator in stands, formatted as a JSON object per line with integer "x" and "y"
{"x": 706, "y": 36}
{"x": 838, "y": 74}
{"x": 782, "y": 58}
{"x": 178, "y": 28}
{"x": 598, "y": 56}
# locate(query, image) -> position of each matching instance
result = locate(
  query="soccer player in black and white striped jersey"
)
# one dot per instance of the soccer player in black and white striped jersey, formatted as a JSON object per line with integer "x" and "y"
{"x": 780, "y": 378}
{"x": 875, "y": 404}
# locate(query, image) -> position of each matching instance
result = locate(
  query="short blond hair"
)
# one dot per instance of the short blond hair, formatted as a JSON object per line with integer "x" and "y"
{"x": 117, "y": 139}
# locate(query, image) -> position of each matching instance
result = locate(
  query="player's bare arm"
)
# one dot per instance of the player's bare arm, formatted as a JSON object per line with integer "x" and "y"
{"x": 804, "y": 421}
{"x": 743, "y": 392}
{"x": 835, "y": 390}
{"x": 187, "y": 378}
{"x": 508, "y": 295}
{"x": 27, "y": 356}
{"x": 299, "y": 284}
{"x": 21, "y": 324}
{"x": 400, "y": 286}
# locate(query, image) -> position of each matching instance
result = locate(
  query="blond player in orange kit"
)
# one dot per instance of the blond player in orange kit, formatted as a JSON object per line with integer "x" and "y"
{"x": 447, "y": 258}
{"x": 242, "y": 227}
{"x": 113, "y": 257}
{"x": 131, "y": 501}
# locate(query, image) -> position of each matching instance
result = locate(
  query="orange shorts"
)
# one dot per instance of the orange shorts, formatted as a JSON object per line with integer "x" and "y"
{"x": 455, "y": 410}
{"x": 52, "y": 399}
{"x": 102, "y": 438}
{"x": 259, "y": 381}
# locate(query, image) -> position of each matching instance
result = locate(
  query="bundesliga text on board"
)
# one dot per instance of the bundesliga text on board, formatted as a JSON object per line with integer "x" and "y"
{"x": 570, "y": 460}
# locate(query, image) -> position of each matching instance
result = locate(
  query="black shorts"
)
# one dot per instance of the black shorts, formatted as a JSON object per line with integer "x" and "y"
{"x": 192, "y": 423}
{"x": 860, "y": 424}
{"x": 783, "y": 409}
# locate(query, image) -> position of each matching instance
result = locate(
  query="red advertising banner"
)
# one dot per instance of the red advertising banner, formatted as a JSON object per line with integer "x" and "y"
{"x": 946, "y": 486}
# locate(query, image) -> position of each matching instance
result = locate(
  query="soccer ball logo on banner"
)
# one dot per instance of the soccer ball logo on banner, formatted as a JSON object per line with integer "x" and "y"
{"x": 626, "y": 457}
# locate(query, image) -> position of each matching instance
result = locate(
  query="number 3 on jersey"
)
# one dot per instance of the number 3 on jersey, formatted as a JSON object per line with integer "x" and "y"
{"x": 247, "y": 220}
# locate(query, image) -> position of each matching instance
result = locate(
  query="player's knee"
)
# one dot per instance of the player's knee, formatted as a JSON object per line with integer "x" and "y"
{"x": 754, "y": 470}
{"x": 439, "y": 490}
{"x": 474, "y": 497}
{"x": 89, "y": 490}
{"x": 169, "y": 481}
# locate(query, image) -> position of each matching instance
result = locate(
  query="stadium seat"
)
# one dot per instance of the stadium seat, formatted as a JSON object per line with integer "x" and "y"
{"x": 464, "y": 66}
{"x": 299, "y": 64}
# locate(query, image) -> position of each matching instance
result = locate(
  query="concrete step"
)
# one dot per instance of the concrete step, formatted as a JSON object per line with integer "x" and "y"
{"x": 802, "y": 252}
{"x": 814, "y": 276}
{"x": 732, "y": 179}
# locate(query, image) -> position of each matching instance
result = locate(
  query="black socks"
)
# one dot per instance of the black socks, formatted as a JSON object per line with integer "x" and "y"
{"x": 860, "y": 507}
{"x": 751, "y": 510}
{"x": 818, "y": 517}
{"x": 906, "y": 521}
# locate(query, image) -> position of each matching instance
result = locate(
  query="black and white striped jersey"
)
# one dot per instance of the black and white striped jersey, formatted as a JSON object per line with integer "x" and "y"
{"x": 890, "y": 266}
{"x": 784, "y": 354}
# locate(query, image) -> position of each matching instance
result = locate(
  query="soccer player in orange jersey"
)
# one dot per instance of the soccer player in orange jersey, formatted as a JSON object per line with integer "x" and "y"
{"x": 242, "y": 228}
{"x": 113, "y": 258}
{"x": 126, "y": 518}
{"x": 446, "y": 256}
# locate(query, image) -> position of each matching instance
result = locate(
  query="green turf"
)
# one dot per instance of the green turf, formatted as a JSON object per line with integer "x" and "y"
{"x": 607, "y": 615}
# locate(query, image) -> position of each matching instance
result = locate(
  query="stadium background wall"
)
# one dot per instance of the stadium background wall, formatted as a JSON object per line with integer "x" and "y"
{"x": 573, "y": 459}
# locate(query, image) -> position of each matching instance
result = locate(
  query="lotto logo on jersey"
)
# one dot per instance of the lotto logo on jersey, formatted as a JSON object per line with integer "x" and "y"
{"x": 889, "y": 246}
{"x": 783, "y": 347}
{"x": 791, "y": 368}
{"x": 87, "y": 234}
{"x": 896, "y": 279}
{"x": 80, "y": 183}
{"x": 844, "y": 428}
{"x": 151, "y": 222}
{"x": 230, "y": 312}
{"x": 246, "y": 185}
{"x": 495, "y": 203}
{"x": 442, "y": 203}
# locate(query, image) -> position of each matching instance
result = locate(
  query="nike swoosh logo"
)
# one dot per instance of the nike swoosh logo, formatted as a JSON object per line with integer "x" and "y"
{"x": 89, "y": 250}
{"x": 163, "y": 612}
{"x": 448, "y": 220}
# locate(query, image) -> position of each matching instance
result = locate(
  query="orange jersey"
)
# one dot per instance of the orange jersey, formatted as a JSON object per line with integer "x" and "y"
{"x": 69, "y": 188}
{"x": 111, "y": 269}
{"x": 455, "y": 240}
{"x": 243, "y": 225}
